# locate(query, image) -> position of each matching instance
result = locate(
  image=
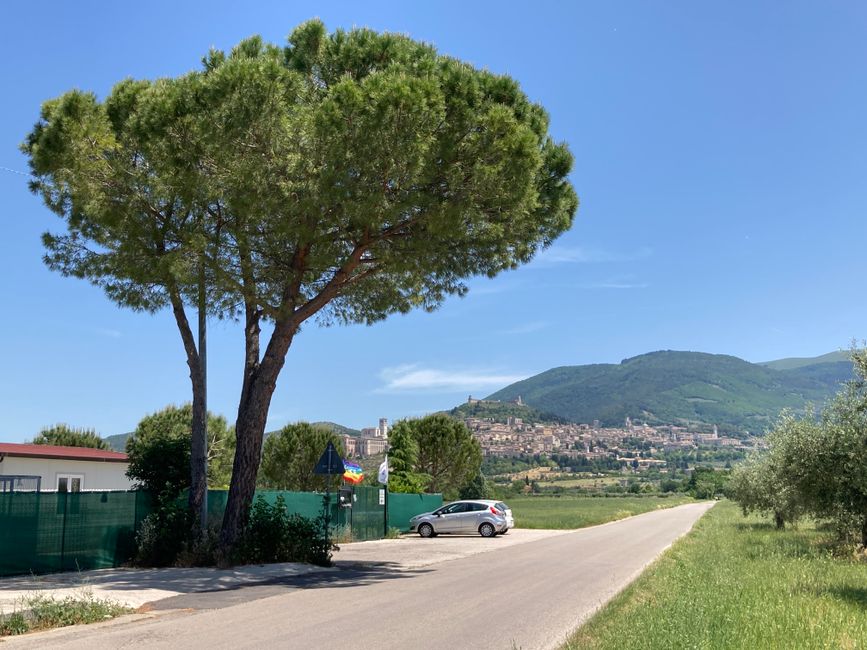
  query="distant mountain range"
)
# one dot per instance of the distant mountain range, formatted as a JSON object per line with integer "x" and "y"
{"x": 118, "y": 441}
{"x": 339, "y": 429}
{"x": 685, "y": 388}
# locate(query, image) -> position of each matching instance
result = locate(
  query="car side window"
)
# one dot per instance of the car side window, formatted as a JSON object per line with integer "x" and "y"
{"x": 478, "y": 507}
{"x": 457, "y": 507}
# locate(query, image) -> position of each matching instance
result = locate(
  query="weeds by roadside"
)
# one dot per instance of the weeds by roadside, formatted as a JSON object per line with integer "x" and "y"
{"x": 38, "y": 612}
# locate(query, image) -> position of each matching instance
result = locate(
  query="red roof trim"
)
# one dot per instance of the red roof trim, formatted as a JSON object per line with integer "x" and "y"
{"x": 64, "y": 453}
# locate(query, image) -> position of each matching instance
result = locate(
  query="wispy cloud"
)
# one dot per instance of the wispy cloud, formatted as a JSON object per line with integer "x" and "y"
{"x": 526, "y": 328}
{"x": 582, "y": 255}
{"x": 415, "y": 378}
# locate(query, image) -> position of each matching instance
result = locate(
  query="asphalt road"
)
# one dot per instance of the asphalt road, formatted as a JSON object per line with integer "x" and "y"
{"x": 527, "y": 596}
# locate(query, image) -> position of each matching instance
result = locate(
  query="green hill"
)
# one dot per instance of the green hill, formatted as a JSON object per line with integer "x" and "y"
{"x": 793, "y": 363}
{"x": 501, "y": 411}
{"x": 339, "y": 429}
{"x": 679, "y": 388}
{"x": 118, "y": 441}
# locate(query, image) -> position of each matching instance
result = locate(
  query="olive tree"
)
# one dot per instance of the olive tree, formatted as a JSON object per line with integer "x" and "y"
{"x": 343, "y": 177}
{"x": 815, "y": 466}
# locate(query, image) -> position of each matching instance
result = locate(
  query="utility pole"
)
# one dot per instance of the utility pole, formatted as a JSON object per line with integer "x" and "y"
{"x": 203, "y": 364}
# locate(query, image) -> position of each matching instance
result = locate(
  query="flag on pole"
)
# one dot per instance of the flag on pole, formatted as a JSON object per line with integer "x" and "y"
{"x": 383, "y": 472}
{"x": 353, "y": 474}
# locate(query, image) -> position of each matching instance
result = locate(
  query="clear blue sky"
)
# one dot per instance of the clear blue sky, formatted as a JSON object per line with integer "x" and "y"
{"x": 721, "y": 155}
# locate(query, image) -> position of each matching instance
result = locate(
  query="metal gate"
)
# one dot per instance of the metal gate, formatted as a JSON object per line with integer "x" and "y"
{"x": 367, "y": 518}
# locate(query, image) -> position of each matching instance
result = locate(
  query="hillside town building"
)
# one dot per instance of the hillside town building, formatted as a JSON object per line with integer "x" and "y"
{"x": 592, "y": 442}
{"x": 372, "y": 442}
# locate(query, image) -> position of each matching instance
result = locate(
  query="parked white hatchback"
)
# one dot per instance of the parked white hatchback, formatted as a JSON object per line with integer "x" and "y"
{"x": 482, "y": 516}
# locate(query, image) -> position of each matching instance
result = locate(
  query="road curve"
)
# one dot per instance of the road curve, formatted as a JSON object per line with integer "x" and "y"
{"x": 526, "y": 596}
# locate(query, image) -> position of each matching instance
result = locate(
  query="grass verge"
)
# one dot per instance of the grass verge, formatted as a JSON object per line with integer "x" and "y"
{"x": 43, "y": 613}
{"x": 578, "y": 512}
{"x": 735, "y": 582}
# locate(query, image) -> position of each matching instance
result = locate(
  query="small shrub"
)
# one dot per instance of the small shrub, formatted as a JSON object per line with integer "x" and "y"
{"x": 203, "y": 551}
{"x": 273, "y": 535}
{"x": 164, "y": 535}
{"x": 13, "y": 624}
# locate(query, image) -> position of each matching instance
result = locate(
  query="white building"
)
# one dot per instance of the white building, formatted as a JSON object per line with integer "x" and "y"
{"x": 66, "y": 469}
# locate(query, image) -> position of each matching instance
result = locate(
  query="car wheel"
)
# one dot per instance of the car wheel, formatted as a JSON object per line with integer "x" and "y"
{"x": 487, "y": 530}
{"x": 425, "y": 530}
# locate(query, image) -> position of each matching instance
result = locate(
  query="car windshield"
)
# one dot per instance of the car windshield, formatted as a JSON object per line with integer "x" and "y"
{"x": 501, "y": 506}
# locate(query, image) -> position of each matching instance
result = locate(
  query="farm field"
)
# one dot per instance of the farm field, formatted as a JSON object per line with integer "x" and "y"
{"x": 578, "y": 512}
{"x": 735, "y": 582}
{"x": 585, "y": 483}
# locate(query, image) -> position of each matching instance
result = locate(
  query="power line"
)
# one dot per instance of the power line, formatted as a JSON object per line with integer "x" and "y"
{"x": 14, "y": 171}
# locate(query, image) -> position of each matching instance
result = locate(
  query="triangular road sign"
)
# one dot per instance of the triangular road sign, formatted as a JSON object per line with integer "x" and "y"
{"x": 330, "y": 462}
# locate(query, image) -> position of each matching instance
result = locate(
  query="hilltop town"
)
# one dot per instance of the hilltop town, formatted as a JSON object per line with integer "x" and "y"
{"x": 514, "y": 436}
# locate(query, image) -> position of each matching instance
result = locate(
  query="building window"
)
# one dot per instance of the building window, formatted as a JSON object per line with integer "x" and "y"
{"x": 70, "y": 482}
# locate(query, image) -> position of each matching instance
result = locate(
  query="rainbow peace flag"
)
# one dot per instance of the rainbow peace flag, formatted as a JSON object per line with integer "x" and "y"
{"x": 353, "y": 474}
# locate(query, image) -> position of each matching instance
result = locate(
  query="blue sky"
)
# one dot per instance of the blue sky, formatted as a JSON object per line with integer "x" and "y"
{"x": 720, "y": 149}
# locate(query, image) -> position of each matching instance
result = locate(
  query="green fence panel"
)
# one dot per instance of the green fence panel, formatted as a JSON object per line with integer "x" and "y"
{"x": 99, "y": 530}
{"x": 44, "y": 532}
{"x": 402, "y": 507}
{"x": 217, "y": 506}
{"x": 306, "y": 504}
{"x": 31, "y": 529}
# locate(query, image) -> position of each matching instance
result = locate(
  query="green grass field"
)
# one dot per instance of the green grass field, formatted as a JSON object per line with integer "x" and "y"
{"x": 735, "y": 582}
{"x": 578, "y": 512}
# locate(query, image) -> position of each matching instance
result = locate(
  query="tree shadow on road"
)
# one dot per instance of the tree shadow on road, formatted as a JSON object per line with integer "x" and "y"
{"x": 188, "y": 581}
{"x": 350, "y": 574}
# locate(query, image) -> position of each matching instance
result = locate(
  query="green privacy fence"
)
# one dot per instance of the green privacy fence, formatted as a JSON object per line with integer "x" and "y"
{"x": 306, "y": 504}
{"x": 402, "y": 507}
{"x": 364, "y": 520}
{"x": 45, "y": 532}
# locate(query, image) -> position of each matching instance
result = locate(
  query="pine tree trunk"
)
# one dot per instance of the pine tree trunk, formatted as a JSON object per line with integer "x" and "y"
{"x": 198, "y": 473}
{"x": 198, "y": 452}
{"x": 249, "y": 432}
{"x": 259, "y": 384}
{"x": 198, "y": 500}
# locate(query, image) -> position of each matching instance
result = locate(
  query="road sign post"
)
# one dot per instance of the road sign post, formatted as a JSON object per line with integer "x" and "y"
{"x": 330, "y": 463}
